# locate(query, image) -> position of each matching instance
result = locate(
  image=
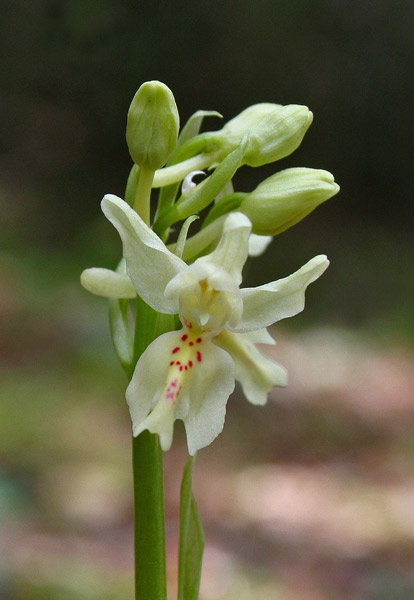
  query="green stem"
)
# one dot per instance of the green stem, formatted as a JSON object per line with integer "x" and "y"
{"x": 149, "y": 520}
{"x": 143, "y": 194}
{"x": 150, "y": 576}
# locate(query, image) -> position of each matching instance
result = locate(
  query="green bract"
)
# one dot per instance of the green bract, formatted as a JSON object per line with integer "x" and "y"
{"x": 287, "y": 197}
{"x": 189, "y": 374}
{"x": 152, "y": 125}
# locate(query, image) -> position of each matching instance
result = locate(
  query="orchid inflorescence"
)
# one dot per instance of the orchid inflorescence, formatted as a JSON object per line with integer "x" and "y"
{"x": 204, "y": 326}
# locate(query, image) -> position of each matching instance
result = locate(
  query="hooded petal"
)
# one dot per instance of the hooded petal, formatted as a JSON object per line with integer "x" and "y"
{"x": 181, "y": 378}
{"x": 206, "y": 289}
{"x": 107, "y": 283}
{"x": 256, "y": 373}
{"x": 233, "y": 247}
{"x": 280, "y": 299}
{"x": 149, "y": 263}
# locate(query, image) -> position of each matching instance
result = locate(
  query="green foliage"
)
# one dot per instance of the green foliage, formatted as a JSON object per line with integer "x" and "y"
{"x": 191, "y": 540}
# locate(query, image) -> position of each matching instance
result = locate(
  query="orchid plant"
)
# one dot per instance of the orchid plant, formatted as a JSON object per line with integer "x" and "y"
{"x": 196, "y": 330}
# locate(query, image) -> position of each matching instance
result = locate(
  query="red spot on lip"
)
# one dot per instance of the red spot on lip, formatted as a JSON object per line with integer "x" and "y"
{"x": 190, "y": 363}
{"x": 199, "y": 356}
{"x": 181, "y": 368}
{"x": 191, "y": 343}
{"x": 198, "y": 340}
{"x": 186, "y": 368}
{"x": 184, "y": 337}
{"x": 171, "y": 363}
{"x": 176, "y": 349}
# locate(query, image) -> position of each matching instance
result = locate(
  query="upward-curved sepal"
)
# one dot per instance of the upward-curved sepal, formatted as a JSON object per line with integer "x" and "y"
{"x": 149, "y": 263}
{"x": 233, "y": 247}
{"x": 267, "y": 304}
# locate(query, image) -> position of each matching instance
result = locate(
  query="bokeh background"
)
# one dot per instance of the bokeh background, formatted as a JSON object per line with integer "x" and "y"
{"x": 309, "y": 498}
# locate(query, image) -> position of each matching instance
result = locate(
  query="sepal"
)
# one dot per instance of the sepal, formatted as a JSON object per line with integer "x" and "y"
{"x": 149, "y": 263}
{"x": 272, "y": 302}
{"x": 107, "y": 283}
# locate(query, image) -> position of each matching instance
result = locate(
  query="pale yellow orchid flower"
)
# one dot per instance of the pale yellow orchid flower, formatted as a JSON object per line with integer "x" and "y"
{"x": 189, "y": 374}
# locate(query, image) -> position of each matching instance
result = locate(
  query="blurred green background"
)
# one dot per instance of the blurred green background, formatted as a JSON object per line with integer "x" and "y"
{"x": 309, "y": 498}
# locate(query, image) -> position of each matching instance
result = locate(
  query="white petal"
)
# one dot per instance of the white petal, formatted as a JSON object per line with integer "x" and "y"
{"x": 149, "y": 263}
{"x": 280, "y": 299}
{"x": 205, "y": 388}
{"x": 232, "y": 250}
{"x": 146, "y": 387}
{"x": 256, "y": 373}
{"x": 258, "y": 244}
{"x": 104, "y": 282}
{"x": 261, "y": 336}
{"x": 211, "y": 385}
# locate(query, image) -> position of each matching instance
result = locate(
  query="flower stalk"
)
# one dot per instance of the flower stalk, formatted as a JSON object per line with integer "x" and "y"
{"x": 149, "y": 528}
{"x": 143, "y": 194}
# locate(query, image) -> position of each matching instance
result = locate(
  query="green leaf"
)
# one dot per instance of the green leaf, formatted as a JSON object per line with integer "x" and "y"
{"x": 191, "y": 540}
{"x": 121, "y": 334}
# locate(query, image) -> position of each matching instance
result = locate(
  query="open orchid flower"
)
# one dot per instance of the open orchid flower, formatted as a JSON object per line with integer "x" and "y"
{"x": 189, "y": 374}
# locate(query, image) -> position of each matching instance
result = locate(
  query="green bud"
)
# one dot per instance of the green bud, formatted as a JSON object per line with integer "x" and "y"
{"x": 230, "y": 136}
{"x": 152, "y": 125}
{"x": 285, "y": 198}
{"x": 277, "y": 134}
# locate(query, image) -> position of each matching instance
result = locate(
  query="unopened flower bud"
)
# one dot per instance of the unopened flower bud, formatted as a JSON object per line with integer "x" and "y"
{"x": 277, "y": 134}
{"x": 152, "y": 125}
{"x": 287, "y": 197}
{"x": 230, "y": 136}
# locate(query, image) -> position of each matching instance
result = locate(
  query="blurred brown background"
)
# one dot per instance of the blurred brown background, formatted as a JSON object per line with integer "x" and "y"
{"x": 310, "y": 498}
